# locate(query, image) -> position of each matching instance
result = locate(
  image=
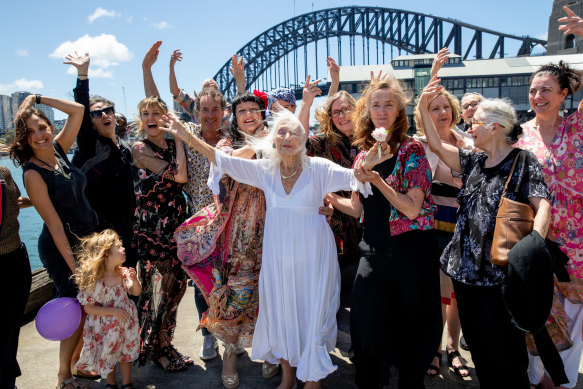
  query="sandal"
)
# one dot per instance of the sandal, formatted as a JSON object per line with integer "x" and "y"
{"x": 67, "y": 382}
{"x": 433, "y": 370}
{"x": 177, "y": 354}
{"x": 462, "y": 370}
{"x": 174, "y": 363}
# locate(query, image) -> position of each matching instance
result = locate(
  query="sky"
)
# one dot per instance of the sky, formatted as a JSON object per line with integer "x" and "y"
{"x": 38, "y": 35}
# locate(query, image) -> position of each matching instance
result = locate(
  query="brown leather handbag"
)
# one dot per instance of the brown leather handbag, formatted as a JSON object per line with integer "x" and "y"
{"x": 513, "y": 222}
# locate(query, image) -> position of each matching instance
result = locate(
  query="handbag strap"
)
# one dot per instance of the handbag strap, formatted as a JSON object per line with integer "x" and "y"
{"x": 510, "y": 175}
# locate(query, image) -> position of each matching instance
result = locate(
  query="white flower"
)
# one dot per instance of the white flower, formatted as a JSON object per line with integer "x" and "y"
{"x": 380, "y": 134}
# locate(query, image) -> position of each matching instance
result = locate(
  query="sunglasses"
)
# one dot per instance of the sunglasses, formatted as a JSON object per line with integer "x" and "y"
{"x": 96, "y": 114}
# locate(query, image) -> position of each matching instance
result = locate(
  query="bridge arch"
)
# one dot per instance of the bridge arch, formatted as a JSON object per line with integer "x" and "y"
{"x": 408, "y": 31}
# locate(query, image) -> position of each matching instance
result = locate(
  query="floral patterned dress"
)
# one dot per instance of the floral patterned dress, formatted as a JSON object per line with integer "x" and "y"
{"x": 160, "y": 209}
{"x": 106, "y": 339}
{"x": 562, "y": 162}
{"x": 221, "y": 248}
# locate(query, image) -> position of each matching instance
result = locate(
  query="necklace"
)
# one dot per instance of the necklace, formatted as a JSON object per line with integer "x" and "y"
{"x": 291, "y": 175}
{"x": 59, "y": 168}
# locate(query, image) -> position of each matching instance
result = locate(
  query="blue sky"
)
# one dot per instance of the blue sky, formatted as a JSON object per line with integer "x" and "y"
{"x": 37, "y": 35}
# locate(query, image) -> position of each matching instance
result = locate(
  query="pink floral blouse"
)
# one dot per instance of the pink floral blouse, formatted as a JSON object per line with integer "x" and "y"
{"x": 562, "y": 162}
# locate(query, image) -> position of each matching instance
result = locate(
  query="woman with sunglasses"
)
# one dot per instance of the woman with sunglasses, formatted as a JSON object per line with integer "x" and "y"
{"x": 56, "y": 189}
{"x": 498, "y": 347}
{"x": 105, "y": 159}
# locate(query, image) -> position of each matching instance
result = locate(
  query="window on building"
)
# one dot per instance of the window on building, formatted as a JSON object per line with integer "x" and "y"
{"x": 569, "y": 41}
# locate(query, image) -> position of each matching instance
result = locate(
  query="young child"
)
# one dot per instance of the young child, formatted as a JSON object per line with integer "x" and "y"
{"x": 111, "y": 333}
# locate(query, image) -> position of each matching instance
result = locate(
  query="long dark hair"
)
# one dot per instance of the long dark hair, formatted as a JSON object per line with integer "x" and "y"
{"x": 20, "y": 151}
{"x": 235, "y": 132}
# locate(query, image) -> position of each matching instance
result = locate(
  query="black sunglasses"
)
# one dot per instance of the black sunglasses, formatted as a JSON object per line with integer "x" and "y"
{"x": 97, "y": 113}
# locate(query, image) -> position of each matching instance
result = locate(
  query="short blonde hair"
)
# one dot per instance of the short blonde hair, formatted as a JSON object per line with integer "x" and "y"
{"x": 150, "y": 102}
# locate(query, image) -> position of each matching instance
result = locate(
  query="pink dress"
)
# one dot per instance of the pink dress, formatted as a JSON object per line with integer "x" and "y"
{"x": 562, "y": 162}
{"x": 106, "y": 340}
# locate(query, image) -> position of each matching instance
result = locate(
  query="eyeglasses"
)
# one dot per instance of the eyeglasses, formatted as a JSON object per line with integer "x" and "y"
{"x": 343, "y": 111}
{"x": 96, "y": 114}
{"x": 470, "y": 105}
{"x": 476, "y": 122}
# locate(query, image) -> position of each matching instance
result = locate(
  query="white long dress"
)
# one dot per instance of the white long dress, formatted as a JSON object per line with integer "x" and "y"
{"x": 299, "y": 282}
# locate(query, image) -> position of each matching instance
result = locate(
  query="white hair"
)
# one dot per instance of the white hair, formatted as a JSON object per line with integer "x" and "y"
{"x": 265, "y": 146}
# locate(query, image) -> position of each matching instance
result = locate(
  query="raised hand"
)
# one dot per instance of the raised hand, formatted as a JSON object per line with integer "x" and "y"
{"x": 237, "y": 68}
{"x": 574, "y": 23}
{"x": 176, "y": 56}
{"x": 379, "y": 77}
{"x": 334, "y": 69}
{"x": 173, "y": 126}
{"x": 310, "y": 91}
{"x": 429, "y": 92}
{"x": 439, "y": 60}
{"x": 152, "y": 55}
{"x": 80, "y": 62}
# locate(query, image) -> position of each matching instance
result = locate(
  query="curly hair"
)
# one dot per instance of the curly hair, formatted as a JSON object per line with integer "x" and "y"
{"x": 150, "y": 102}
{"x": 324, "y": 116}
{"x": 454, "y": 103}
{"x": 91, "y": 255}
{"x": 20, "y": 150}
{"x": 235, "y": 132}
{"x": 566, "y": 76}
{"x": 364, "y": 126}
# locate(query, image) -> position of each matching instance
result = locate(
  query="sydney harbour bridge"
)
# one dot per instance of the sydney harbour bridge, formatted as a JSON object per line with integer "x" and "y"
{"x": 283, "y": 54}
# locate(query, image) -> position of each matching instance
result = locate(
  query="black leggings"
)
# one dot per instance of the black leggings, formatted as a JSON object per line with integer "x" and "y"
{"x": 395, "y": 316}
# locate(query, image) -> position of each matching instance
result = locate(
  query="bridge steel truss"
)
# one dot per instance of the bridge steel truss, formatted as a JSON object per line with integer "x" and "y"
{"x": 411, "y": 32}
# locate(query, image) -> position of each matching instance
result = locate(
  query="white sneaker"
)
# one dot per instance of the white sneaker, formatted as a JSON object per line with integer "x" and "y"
{"x": 209, "y": 348}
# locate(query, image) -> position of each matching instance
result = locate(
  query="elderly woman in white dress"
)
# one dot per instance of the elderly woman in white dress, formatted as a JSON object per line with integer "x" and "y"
{"x": 299, "y": 283}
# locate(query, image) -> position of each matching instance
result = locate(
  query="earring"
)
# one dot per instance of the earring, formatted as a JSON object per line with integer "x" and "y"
{"x": 273, "y": 145}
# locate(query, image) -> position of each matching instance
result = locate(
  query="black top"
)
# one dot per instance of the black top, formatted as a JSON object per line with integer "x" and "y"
{"x": 67, "y": 193}
{"x": 109, "y": 171}
{"x": 467, "y": 257}
{"x": 377, "y": 209}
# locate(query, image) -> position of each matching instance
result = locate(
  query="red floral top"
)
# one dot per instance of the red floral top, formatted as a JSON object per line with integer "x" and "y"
{"x": 411, "y": 171}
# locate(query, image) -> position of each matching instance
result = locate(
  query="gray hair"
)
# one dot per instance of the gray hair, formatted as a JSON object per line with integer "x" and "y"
{"x": 477, "y": 95}
{"x": 502, "y": 112}
{"x": 265, "y": 147}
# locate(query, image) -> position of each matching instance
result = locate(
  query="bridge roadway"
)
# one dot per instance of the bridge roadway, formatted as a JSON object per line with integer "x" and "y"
{"x": 38, "y": 362}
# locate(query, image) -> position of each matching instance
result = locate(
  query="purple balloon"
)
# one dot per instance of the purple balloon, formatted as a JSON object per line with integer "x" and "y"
{"x": 59, "y": 318}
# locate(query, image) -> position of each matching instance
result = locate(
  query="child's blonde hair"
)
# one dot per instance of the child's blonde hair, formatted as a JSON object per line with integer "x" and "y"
{"x": 93, "y": 250}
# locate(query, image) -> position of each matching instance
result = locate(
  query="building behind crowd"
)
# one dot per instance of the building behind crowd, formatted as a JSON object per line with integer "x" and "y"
{"x": 506, "y": 77}
{"x": 9, "y": 106}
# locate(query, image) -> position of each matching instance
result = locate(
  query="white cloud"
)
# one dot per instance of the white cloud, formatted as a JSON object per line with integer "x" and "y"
{"x": 161, "y": 25}
{"x": 105, "y": 52}
{"x": 22, "y": 52}
{"x": 22, "y": 84}
{"x": 102, "y": 12}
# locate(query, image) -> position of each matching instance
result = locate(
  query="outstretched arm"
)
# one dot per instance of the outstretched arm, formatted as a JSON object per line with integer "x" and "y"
{"x": 334, "y": 75}
{"x": 238, "y": 71}
{"x": 574, "y": 25}
{"x": 173, "y": 126}
{"x": 446, "y": 152}
{"x": 149, "y": 60}
{"x": 87, "y": 135}
{"x": 308, "y": 94}
{"x": 176, "y": 56}
{"x": 439, "y": 61}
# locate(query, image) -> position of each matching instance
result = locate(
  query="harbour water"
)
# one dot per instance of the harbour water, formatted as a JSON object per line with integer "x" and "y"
{"x": 30, "y": 221}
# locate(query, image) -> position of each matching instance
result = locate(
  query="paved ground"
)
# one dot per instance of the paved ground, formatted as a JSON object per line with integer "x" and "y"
{"x": 38, "y": 361}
